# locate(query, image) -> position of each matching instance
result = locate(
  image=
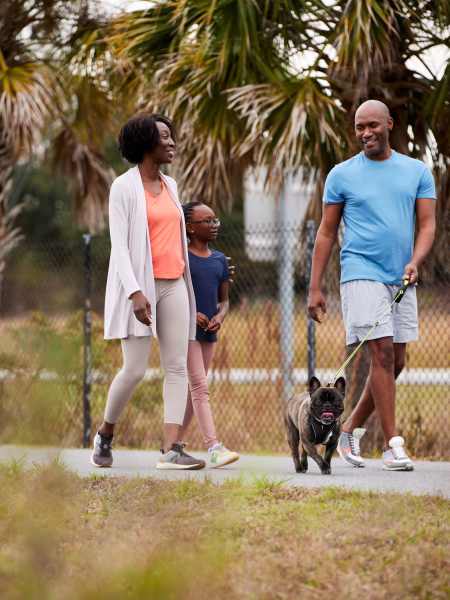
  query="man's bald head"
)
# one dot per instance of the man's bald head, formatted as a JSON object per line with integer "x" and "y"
{"x": 373, "y": 107}
{"x": 373, "y": 123}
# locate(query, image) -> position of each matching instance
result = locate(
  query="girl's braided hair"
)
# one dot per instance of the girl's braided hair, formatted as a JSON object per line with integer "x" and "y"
{"x": 188, "y": 208}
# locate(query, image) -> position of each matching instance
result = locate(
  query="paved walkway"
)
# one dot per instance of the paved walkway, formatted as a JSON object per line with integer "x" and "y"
{"x": 431, "y": 478}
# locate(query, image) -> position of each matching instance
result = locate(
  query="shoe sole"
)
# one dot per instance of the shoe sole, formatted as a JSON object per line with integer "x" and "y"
{"x": 174, "y": 467}
{"x": 100, "y": 466}
{"x": 348, "y": 461}
{"x": 402, "y": 468}
{"x": 227, "y": 462}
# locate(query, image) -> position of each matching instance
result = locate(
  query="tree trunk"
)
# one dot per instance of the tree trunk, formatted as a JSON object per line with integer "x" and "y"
{"x": 10, "y": 235}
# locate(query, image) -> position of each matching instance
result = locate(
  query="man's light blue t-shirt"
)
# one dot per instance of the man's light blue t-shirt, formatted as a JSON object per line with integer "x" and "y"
{"x": 379, "y": 213}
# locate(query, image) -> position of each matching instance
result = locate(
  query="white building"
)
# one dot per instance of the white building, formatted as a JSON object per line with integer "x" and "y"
{"x": 263, "y": 213}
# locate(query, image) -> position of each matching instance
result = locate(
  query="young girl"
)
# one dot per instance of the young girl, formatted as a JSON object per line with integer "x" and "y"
{"x": 210, "y": 279}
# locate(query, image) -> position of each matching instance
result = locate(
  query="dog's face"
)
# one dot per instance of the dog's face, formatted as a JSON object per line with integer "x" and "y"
{"x": 327, "y": 403}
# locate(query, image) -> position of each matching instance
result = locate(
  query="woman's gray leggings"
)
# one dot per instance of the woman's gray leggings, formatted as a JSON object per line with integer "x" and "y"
{"x": 172, "y": 326}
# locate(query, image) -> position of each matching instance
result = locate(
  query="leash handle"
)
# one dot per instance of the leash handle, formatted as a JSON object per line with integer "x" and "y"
{"x": 401, "y": 292}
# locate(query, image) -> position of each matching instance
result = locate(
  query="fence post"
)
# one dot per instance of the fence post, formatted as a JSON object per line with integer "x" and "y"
{"x": 87, "y": 330}
{"x": 311, "y": 327}
{"x": 286, "y": 249}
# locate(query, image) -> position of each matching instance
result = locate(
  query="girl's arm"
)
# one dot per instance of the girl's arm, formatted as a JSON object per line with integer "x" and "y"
{"x": 223, "y": 306}
{"x": 224, "y": 301}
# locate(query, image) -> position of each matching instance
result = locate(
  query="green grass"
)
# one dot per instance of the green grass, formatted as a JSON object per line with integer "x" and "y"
{"x": 62, "y": 536}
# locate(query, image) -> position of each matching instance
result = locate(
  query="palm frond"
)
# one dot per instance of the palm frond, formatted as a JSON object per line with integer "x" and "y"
{"x": 437, "y": 110}
{"x": 366, "y": 42}
{"x": 293, "y": 125}
{"x": 25, "y": 102}
{"x": 90, "y": 177}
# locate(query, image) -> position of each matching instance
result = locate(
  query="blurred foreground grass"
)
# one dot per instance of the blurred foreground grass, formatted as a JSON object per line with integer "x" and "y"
{"x": 109, "y": 538}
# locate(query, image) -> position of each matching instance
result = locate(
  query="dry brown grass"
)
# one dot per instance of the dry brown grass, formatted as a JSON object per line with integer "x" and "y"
{"x": 109, "y": 538}
{"x": 248, "y": 416}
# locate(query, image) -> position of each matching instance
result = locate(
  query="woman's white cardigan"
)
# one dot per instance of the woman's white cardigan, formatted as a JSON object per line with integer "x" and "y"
{"x": 130, "y": 264}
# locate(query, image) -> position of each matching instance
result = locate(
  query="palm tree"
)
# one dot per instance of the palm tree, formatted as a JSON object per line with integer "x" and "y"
{"x": 36, "y": 98}
{"x": 25, "y": 99}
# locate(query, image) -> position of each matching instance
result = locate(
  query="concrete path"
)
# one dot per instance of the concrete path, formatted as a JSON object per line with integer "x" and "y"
{"x": 431, "y": 478}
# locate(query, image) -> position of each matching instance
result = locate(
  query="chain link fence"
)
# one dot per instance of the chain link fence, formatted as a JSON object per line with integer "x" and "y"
{"x": 55, "y": 367}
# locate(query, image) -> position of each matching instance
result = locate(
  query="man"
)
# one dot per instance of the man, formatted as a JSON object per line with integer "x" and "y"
{"x": 380, "y": 194}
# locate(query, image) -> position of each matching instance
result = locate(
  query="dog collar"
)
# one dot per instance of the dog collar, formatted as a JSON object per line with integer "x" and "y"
{"x": 330, "y": 432}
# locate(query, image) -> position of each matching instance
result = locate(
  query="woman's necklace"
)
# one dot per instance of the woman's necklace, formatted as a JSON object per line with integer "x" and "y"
{"x": 150, "y": 191}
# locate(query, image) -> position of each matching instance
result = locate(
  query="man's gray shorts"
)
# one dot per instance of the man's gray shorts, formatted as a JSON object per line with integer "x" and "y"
{"x": 364, "y": 302}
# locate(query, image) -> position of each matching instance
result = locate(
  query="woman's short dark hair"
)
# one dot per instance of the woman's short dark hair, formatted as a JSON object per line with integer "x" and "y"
{"x": 140, "y": 135}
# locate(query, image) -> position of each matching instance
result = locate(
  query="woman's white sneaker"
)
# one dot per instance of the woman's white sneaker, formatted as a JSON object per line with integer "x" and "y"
{"x": 395, "y": 458}
{"x": 220, "y": 456}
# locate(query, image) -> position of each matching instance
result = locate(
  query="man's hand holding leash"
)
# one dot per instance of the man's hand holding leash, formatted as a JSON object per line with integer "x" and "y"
{"x": 411, "y": 273}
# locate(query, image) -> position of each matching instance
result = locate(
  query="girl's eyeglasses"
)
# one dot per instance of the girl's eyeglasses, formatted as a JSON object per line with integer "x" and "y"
{"x": 207, "y": 222}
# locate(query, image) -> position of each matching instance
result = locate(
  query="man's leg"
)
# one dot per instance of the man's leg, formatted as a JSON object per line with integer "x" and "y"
{"x": 382, "y": 383}
{"x": 366, "y": 405}
{"x": 387, "y": 362}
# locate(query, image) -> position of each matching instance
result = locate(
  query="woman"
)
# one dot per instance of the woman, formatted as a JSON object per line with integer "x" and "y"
{"x": 149, "y": 290}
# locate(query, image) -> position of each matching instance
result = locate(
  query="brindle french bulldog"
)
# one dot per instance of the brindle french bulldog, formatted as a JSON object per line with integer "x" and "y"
{"x": 312, "y": 418}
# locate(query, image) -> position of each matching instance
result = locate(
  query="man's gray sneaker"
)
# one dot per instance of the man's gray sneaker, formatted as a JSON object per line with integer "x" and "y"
{"x": 177, "y": 459}
{"x": 348, "y": 447}
{"x": 102, "y": 455}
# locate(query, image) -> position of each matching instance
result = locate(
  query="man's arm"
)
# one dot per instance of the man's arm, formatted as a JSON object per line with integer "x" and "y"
{"x": 426, "y": 227}
{"x": 325, "y": 239}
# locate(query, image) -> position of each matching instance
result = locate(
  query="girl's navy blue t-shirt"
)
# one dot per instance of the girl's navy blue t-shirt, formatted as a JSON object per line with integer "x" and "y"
{"x": 207, "y": 274}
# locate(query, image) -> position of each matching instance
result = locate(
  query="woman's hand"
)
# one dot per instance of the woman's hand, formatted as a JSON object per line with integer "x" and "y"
{"x": 141, "y": 308}
{"x": 202, "y": 321}
{"x": 215, "y": 323}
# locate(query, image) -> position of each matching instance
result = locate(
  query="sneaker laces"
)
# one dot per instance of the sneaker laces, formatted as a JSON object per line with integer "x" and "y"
{"x": 354, "y": 444}
{"x": 219, "y": 447}
{"x": 105, "y": 442}
{"x": 399, "y": 453}
{"x": 179, "y": 447}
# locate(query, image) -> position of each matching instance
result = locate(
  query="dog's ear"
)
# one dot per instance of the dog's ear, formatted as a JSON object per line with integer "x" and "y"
{"x": 314, "y": 384}
{"x": 340, "y": 385}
